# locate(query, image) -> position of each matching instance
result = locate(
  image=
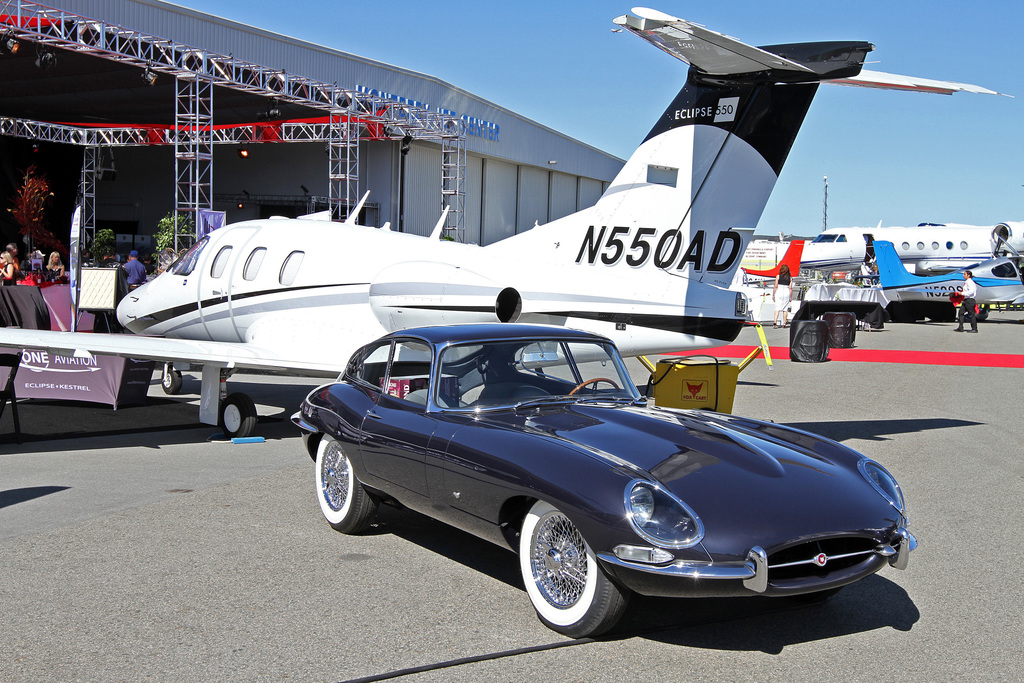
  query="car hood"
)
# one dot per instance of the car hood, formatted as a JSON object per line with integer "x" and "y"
{"x": 751, "y": 482}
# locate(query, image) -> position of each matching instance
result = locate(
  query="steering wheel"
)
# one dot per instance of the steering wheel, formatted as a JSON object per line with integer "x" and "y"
{"x": 593, "y": 381}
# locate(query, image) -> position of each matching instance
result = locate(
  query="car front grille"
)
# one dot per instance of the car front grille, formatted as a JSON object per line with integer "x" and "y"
{"x": 819, "y": 559}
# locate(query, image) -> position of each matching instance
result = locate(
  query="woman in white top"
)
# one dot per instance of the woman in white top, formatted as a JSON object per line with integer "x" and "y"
{"x": 782, "y": 294}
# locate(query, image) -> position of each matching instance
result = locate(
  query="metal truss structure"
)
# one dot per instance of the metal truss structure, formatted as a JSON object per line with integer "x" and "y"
{"x": 349, "y": 115}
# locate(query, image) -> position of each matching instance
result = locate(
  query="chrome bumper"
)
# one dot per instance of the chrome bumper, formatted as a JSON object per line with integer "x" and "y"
{"x": 753, "y": 571}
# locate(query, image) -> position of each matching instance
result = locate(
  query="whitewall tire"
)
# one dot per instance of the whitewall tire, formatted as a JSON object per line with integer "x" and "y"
{"x": 344, "y": 502}
{"x": 566, "y": 585}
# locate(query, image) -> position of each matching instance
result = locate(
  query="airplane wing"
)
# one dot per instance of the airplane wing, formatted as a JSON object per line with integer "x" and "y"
{"x": 228, "y": 354}
{"x": 711, "y": 52}
{"x": 878, "y": 79}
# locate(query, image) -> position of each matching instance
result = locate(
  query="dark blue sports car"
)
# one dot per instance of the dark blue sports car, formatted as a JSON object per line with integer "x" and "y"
{"x": 536, "y": 439}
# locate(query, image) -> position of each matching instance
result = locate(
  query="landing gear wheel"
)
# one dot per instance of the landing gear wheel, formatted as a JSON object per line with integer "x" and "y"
{"x": 569, "y": 590}
{"x": 238, "y": 416}
{"x": 346, "y": 505}
{"x": 593, "y": 381}
{"x": 171, "y": 380}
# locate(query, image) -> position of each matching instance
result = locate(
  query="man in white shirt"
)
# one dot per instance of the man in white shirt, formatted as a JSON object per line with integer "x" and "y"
{"x": 970, "y": 291}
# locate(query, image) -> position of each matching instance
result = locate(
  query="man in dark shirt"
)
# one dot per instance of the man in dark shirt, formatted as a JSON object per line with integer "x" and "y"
{"x": 136, "y": 271}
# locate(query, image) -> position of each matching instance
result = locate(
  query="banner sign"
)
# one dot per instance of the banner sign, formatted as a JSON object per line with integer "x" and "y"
{"x": 111, "y": 380}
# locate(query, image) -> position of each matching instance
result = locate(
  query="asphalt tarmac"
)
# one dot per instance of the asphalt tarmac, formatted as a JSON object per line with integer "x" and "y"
{"x": 133, "y": 548}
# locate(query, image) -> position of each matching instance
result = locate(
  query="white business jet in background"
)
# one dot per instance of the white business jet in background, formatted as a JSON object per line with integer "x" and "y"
{"x": 927, "y": 248}
{"x": 649, "y": 265}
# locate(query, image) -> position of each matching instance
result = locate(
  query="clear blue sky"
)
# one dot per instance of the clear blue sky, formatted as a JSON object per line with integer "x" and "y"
{"x": 899, "y": 158}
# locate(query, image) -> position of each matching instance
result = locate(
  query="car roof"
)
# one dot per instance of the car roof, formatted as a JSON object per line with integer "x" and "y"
{"x": 454, "y": 334}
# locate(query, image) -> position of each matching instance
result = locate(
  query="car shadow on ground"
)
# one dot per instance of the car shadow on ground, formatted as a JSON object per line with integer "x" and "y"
{"x": 768, "y": 624}
{"x": 877, "y": 430}
{"x": 23, "y": 495}
{"x": 466, "y": 549}
{"x": 745, "y": 623}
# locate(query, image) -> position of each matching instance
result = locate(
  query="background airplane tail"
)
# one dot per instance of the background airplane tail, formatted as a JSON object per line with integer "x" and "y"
{"x": 791, "y": 258}
{"x": 891, "y": 272}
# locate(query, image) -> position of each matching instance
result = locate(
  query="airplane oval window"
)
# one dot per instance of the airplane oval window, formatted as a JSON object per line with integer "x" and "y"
{"x": 949, "y": 245}
{"x": 963, "y": 245}
{"x": 920, "y": 245}
{"x": 290, "y": 268}
{"x": 253, "y": 263}
{"x": 906, "y": 245}
{"x": 220, "y": 262}
{"x": 935, "y": 245}
{"x": 186, "y": 263}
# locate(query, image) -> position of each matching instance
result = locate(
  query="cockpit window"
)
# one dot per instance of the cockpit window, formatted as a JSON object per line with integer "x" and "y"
{"x": 253, "y": 263}
{"x": 220, "y": 262}
{"x": 290, "y": 268}
{"x": 823, "y": 238}
{"x": 1004, "y": 270}
{"x": 186, "y": 263}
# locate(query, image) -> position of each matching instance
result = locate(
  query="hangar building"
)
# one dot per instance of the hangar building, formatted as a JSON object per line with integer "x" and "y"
{"x": 151, "y": 108}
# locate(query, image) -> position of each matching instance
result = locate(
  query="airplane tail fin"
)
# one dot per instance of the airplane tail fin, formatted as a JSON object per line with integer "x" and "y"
{"x": 688, "y": 199}
{"x": 791, "y": 258}
{"x": 891, "y": 272}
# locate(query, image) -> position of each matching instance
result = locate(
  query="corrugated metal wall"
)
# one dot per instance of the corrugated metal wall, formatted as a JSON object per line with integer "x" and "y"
{"x": 562, "y": 196}
{"x": 499, "y": 200}
{"x": 532, "y": 198}
{"x": 422, "y": 189}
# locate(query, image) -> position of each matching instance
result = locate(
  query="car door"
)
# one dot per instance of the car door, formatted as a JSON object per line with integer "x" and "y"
{"x": 397, "y": 430}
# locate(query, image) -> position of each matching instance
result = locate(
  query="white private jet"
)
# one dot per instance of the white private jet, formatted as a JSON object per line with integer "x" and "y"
{"x": 998, "y": 281}
{"x": 649, "y": 265}
{"x": 928, "y": 248}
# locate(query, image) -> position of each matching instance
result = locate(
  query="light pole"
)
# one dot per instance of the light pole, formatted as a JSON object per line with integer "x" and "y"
{"x": 824, "y": 211}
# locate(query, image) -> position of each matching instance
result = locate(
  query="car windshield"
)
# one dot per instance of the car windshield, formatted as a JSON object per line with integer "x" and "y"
{"x": 508, "y": 373}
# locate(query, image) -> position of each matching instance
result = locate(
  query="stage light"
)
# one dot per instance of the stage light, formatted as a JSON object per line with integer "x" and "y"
{"x": 9, "y": 43}
{"x": 46, "y": 59}
{"x": 243, "y": 152}
{"x": 149, "y": 76}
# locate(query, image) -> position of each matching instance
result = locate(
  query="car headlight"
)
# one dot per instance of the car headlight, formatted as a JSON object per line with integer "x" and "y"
{"x": 660, "y": 517}
{"x": 884, "y": 483}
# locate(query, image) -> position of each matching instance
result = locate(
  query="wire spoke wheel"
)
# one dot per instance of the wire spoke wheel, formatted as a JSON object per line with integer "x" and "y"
{"x": 559, "y": 560}
{"x": 345, "y": 504}
{"x": 335, "y": 481}
{"x": 565, "y": 583}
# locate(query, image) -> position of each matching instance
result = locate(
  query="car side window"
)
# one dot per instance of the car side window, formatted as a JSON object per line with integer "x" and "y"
{"x": 370, "y": 365}
{"x": 409, "y": 371}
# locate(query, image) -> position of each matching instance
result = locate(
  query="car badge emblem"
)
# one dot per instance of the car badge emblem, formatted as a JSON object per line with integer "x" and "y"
{"x": 821, "y": 559}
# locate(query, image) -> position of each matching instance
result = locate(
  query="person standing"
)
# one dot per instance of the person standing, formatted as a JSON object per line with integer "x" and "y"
{"x": 967, "y": 306}
{"x": 136, "y": 271}
{"x": 782, "y": 298}
{"x": 8, "y": 270}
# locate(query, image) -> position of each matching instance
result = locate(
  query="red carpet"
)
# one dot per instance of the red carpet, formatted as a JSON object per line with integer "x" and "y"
{"x": 981, "y": 360}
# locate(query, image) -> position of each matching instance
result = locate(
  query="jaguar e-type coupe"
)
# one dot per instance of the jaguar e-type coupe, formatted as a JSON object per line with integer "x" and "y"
{"x": 536, "y": 438}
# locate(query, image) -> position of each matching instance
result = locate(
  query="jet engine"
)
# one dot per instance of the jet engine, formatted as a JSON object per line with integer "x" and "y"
{"x": 1008, "y": 234}
{"x": 429, "y": 293}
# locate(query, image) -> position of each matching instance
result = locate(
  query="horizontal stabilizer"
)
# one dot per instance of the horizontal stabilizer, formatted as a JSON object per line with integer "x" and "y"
{"x": 878, "y": 79}
{"x": 710, "y": 52}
